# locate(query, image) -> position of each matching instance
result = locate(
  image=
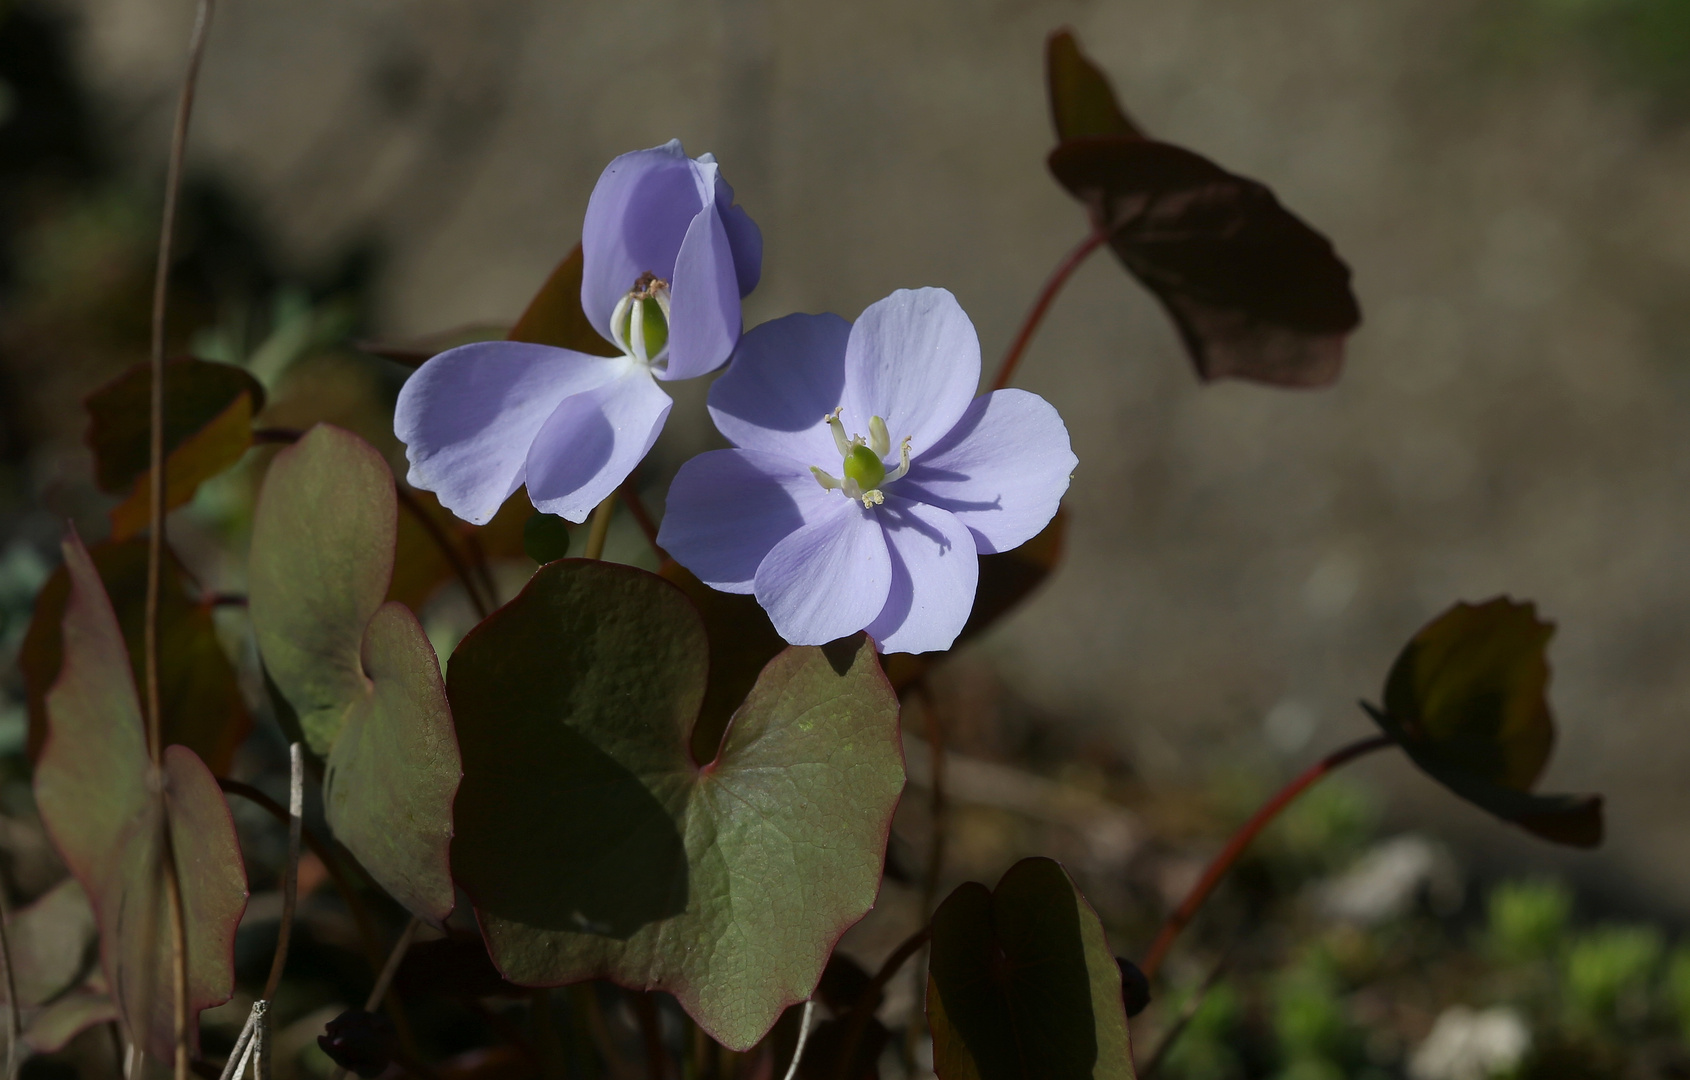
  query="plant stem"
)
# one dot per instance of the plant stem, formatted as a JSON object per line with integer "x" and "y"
{"x": 1241, "y": 839}
{"x": 863, "y": 1008}
{"x": 290, "y": 876}
{"x": 803, "y": 1037}
{"x": 385, "y": 979}
{"x": 450, "y": 550}
{"x": 14, "y": 1017}
{"x": 1053, "y": 285}
{"x": 155, "y": 515}
{"x": 645, "y": 1009}
{"x": 642, "y": 517}
{"x": 600, "y": 527}
{"x": 936, "y": 800}
{"x": 348, "y": 894}
{"x": 1186, "y": 1015}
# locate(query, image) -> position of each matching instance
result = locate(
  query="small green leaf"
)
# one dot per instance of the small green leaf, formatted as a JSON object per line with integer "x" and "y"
{"x": 1082, "y": 103}
{"x": 554, "y": 316}
{"x": 1467, "y": 699}
{"x": 360, "y": 674}
{"x": 207, "y": 427}
{"x": 1022, "y": 983}
{"x": 593, "y": 844}
{"x": 107, "y": 809}
{"x": 201, "y": 700}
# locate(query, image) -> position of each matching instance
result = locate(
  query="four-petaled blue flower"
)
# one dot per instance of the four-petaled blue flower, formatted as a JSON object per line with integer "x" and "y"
{"x": 867, "y": 476}
{"x": 666, "y": 258}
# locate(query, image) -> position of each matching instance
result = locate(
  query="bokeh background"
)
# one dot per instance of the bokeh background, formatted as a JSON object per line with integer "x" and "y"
{"x": 1509, "y": 180}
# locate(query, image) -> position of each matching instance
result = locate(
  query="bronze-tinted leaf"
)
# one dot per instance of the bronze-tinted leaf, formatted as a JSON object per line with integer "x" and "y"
{"x": 207, "y": 427}
{"x": 110, "y": 812}
{"x": 1467, "y": 699}
{"x": 202, "y": 703}
{"x": 554, "y": 316}
{"x": 1022, "y": 983}
{"x": 1255, "y": 292}
{"x": 1082, "y": 103}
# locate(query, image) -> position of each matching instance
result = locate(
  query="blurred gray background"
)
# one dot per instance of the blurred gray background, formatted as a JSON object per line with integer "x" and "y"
{"x": 1243, "y": 562}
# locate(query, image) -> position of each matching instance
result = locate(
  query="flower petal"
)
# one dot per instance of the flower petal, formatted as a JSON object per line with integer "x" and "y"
{"x": 637, "y": 216}
{"x": 744, "y": 237}
{"x": 829, "y": 578}
{"x": 786, "y": 376}
{"x": 728, "y": 508}
{"x": 704, "y": 318}
{"x": 467, "y": 417}
{"x": 935, "y": 570}
{"x": 1002, "y": 470}
{"x": 914, "y": 361}
{"x": 593, "y": 441}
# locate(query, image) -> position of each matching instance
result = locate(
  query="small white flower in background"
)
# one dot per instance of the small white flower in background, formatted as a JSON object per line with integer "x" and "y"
{"x": 1388, "y": 881}
{"x": 1467, "y": 1044}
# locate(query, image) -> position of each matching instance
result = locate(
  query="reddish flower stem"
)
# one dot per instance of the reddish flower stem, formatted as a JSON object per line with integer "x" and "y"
{"x": 1241, "y": 840}
{"x": 642, "y": 516}
{"x": 1053, "y": 285}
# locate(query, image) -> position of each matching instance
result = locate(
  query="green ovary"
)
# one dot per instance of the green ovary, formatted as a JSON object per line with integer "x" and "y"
{"x": 864, "y": 466}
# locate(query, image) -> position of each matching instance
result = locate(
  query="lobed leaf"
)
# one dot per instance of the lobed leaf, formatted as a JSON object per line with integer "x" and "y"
{"x": 207, "y": 427}
{"x": 1467, "y": 700}
{"x": 200, "y": 696}
{"x": 360, "y": 674}
{"x": 593, "y": 844}
{"x": 1254, "y": 291}
{"x": 1082, "y": 103}
{"x": 1022, "y": 983}
{"x": 110, "y": 812}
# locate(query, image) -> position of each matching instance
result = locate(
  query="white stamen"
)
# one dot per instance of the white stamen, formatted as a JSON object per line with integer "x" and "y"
{"x": 903, "y": 462}
{"x": 878, "y": 439}
{"x": 837, "y": 426}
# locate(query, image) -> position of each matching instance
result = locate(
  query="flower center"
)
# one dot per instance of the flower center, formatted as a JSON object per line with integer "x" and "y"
{"x": 865, "y": 466}
{"x": 639, "y": 324}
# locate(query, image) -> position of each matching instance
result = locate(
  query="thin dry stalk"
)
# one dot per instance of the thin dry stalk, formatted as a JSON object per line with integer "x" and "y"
{"x": 290, "y": 876}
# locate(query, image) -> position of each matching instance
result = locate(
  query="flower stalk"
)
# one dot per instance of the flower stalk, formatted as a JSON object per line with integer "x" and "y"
{"x": 156, "y": 516}
{"x": 1053, "y": 285}
{"x": 1241, "y": 840}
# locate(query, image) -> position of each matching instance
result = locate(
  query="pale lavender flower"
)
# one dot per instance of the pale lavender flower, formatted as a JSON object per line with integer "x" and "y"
{"x": 666, "y": 256}
{"x": 866, "y": 476}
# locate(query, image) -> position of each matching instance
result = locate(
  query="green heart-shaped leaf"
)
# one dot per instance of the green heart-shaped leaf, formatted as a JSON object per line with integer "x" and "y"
{"x": 201, "y": 700}
{"x": 107, "y": 809}
{"x": 360, "y": 674}
{"x": 1082, "y": 103}
{"x": 593, "y": 844}
{"x": 207, "y": 427}
{"x": 1022, "y": 983}
{"x": 554, "y": 316}
{"x": 55, "y": 967}
{"x": 1467, "y": 699}
{"x": 1254, "y": 291}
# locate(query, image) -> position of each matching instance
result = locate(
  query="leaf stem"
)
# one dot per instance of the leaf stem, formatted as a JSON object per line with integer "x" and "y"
{"x": 14, "y": 1017}
{"x": 1241, "y": 839}
{"x": 156, "y": 519}
{"x": 863, "y": 1008}
{"x": 454, "y": 558}
{"x": 1186, "y": 1015}
{"x": 385, "y": 979}
{"x": 360, "y": 915}
{"x": 645, "y": 1009}
{"x": 1053, "y": 285}
{"x": 290, "y": 876}
{"x": 642, "y": 517}
{"x": 803, "y": 1037}
{"x": 600, "y": 527}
